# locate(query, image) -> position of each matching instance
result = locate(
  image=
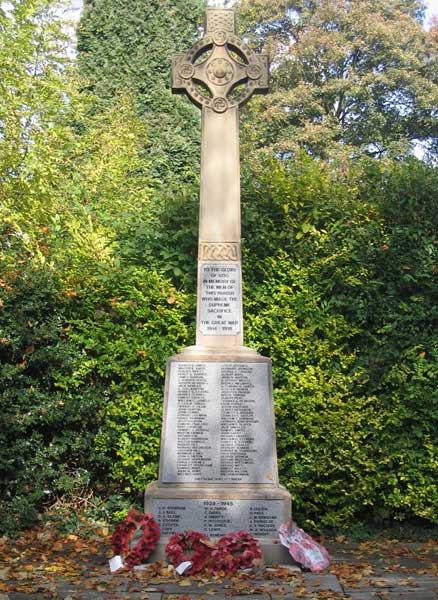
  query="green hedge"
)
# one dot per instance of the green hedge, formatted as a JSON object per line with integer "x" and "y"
{"x": 340, "y": 276}
{"x": 342, "y": 290}
{"x": 81, "y": 382}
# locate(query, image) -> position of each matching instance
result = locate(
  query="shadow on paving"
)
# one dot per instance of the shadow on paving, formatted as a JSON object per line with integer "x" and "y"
{"x": 78, "y": 570}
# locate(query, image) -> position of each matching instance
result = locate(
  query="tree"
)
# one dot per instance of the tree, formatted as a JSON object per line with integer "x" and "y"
{"x": 359, "y": 75}
{"x": 128, "y": 45}
{"x": 71, "y": 183}
{"x": 34, "y": 87}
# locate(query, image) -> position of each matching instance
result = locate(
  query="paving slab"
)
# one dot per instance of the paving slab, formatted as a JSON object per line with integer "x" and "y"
{"x": 85, "y": 595}
{"x": 219, "y": 596}
{"x": 401, "y": 580}
{"x": 405, "y": 573}
{"x": 412, "y": 595}
{"x": 317, "y": 582}
{"x": 364, "y": 595}
{"x": 244, "y": 597}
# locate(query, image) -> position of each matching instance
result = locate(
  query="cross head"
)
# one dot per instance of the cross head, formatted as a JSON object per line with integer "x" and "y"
{"x": 213, "y": 68}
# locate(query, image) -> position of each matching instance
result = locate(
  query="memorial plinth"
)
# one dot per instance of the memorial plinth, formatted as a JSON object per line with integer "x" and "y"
{"x": 218, "y": 463}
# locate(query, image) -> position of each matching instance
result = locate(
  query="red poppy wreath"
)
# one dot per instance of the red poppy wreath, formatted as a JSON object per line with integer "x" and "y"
{"x": 124, "y": 532}
{"x": 235, "y": 551}
{"x": 189, "y": 546}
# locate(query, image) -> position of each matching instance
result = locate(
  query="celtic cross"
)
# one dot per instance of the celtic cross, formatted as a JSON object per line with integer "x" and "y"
{"x": 229, "y": 63}
{"x": 219, "y": 74}
{"x": 218, "y": 451}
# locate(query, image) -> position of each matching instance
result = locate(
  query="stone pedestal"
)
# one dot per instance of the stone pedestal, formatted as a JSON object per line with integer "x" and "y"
{"x": 218, "y": 464}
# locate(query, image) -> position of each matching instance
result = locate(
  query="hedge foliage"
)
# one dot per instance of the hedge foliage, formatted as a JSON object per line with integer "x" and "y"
{"x": 128, "y": 46}
{"x": 97, "y": 290}
{"x": 343, "y": 298}
{"x": 340, "y": 291}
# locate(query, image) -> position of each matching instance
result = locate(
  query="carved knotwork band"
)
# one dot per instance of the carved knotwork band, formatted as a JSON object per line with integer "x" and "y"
{"x": 220, "y": 19}
{"x": 220, "y": 251}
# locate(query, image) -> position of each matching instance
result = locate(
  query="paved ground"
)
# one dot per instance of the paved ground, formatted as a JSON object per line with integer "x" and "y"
{"x": 377, "y": 570}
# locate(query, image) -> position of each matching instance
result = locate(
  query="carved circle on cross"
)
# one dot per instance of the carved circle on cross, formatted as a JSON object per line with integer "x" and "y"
{"x": 220, "y": 71}
{"x": 229, "y": 62}
{"x": 220, "y": 104}
{"x": 220, "y": 38}
{"x": 254, "y": 71}
{"x": 186, "y": 70}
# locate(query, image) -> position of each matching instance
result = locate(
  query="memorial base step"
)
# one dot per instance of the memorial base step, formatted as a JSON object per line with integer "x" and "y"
{"x": 218, "y": 510}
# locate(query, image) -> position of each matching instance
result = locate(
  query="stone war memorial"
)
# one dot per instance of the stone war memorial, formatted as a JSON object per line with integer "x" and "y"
{"x": 218, "y": 464}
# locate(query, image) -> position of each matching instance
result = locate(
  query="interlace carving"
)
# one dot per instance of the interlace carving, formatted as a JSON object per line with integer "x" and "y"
{"x": 220, "y": 19}
{"x": 215, "y": 251}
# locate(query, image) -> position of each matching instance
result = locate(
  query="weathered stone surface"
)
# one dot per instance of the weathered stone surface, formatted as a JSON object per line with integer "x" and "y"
{"x": 411, "y": 594}
{"x": 212, "y": 61}
{"x": 355, "y": 595}
{"x": 219, "y": 424}
{"x": 402, "y": 581}
{"x": 220, "y": 72}
{"x": 316, "y": 582}
{"x": 215, "y": 510}
{"x": 218, "y": 465}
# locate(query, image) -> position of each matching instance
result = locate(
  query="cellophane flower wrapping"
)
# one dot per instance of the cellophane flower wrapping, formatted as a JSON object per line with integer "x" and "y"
{"x": 303, "y": 548}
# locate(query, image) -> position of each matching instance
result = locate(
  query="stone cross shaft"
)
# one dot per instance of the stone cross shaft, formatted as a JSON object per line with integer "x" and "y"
{"x": 219, "y": 74}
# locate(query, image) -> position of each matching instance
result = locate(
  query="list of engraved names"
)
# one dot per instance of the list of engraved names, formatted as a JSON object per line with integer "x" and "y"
{"x": 216, "y": 517}
{"x": 219, "y": 425}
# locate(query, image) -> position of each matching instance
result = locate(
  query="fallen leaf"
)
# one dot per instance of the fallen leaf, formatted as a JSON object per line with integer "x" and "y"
{"x": 58, "y": 547}
{"x": 407, "y": 582}
{"x": 280, "y": 591}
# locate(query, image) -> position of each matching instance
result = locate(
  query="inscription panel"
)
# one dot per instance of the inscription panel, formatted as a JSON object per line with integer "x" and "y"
{"x": 219, "y": 425}
{"x": 217, "y": 517}
{"x": 219, "y": 311}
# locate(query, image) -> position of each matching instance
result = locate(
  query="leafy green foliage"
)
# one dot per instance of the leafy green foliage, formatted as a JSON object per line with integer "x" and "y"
{"x": 128, "y": 46}
{"x": 347, "y": 311}
{"x": 348, "y": 77}
{"x": 47, "y": 436}
{"x": 74, "y": 184}
{"x": 126, "y": 323}
{"x": 82, "y": 376}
